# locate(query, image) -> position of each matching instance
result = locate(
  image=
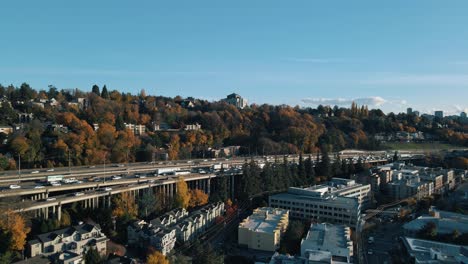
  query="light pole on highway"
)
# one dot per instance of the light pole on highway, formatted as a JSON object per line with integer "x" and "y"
{"x": 19, "y": 167}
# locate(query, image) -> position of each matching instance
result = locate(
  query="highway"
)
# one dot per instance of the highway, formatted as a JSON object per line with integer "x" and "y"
{"x": 99, "y": 192}
{"x": 79, "y": 172}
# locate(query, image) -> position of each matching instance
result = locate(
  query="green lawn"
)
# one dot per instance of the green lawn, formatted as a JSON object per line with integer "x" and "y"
{"x": 419, "y": 146}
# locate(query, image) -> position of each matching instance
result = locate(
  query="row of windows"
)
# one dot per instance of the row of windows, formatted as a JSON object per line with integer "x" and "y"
{"x": 282, "y": 204}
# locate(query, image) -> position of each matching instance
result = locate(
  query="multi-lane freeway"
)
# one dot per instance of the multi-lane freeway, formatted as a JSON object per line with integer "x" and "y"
{"x": 81, "y": 172}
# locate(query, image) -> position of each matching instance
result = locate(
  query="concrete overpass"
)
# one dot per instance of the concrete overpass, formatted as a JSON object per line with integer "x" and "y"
{"x": 96, "y": 197}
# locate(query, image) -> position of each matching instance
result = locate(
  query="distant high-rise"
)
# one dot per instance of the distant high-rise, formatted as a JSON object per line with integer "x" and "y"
{"x": 463, "y": 114}
{"x": 439, "y": 114}
{"x": 416, "y": 113}
{"x": 409, "y": 111}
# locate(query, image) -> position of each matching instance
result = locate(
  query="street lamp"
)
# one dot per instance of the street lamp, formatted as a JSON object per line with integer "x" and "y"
{"x": 114, "y": 221}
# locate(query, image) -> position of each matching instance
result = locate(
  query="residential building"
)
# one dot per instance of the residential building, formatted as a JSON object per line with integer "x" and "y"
{"x": 432, "y": 252}
{"x": 178, "y": 224}
{"x": 463, "y": 115}
{"x": 328, "y": 240}
{"x": 263, "y": 229}
{"x": 136, "y": 129}
{"x": 445, "y": 222}
{"x": 318, "y": 205}
{"x": 236, "y": 100}
{"x": 194, "y": 127}
{"x": 401, "y": 181}
{"x": 25, "y": 117}
{"x": 77, "y": 239}
{"x": 439, "y": 114}
{"x": 6, "y": 129}
{"x": 143, "y": 234}
{"x": 409, "y": 111}
{"x": 170, "y": 218}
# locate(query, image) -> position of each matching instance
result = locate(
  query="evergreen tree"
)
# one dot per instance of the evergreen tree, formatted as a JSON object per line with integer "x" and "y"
{"x": 147, "y": 203}
{"x": 324, "y": 167}
{"x": 309, "y": 171}
{"x": 92, "y": 257}
{"x": 96, "y": 90}
{"x": 104, "y": 93}
{"x": 301, "y": 171}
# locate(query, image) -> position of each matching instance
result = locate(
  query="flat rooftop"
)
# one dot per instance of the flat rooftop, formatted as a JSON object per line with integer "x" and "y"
{"x": 422, "y": 250}
{"x": 327, "y": 237}
{"x": 264, "y": 220}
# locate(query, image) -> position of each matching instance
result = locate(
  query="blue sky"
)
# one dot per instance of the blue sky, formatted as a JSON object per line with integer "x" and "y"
{"x": 391, "y": 54}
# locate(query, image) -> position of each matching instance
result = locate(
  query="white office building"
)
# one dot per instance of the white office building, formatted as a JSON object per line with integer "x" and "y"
{"x": 333, "y": 203}
{"x": 328, "y": 241}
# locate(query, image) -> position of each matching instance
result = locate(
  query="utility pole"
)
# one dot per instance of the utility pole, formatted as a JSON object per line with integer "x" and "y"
{"x": 19, "y": 167}
{"x": 69, "y": 166}
{"x": 105, "y": 167}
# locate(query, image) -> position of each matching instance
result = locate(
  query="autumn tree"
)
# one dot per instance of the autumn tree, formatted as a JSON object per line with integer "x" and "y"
{"x": 183, "y": 195}
{"x": 156, "y": 258}
{"x": 124, "y": 205}
{"x": 198, "y": 198}
{"x": 14, "y": 224}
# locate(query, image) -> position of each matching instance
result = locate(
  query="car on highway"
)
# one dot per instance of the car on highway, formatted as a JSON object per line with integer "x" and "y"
{"x": 91, "y": 167}
{"x": 49, "y": 199}
{"x": 116, "y": 177}
{"x": 39, "y": 187}
{"x": 108, "y": 189}
{"x": 15, "y": 186}
{"x": 51, "y": 170}
{"x": 118, "y": 165}
{"x": 34, "y": 172}
{"x": 141, "y": 176}
{"x": 55, "y": 184}
{"x": 78, "y": 194}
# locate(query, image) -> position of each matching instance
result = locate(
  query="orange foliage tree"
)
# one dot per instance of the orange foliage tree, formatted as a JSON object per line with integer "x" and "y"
{"x": 14, "y": 224}
{"x": 183, "y": 195}
{"x": 156, "y": 258}
{"x": 198, "y": 198}
{"x": 124, "y": 204}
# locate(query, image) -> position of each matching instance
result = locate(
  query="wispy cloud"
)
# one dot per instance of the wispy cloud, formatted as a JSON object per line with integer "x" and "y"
{"x": 371, "y": 101}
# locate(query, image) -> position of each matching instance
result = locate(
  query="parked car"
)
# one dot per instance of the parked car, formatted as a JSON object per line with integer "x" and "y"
{"x": 15, "y": 186}
{"x": 39, "y": 187}
{"x": 34, "y": 172}
{"x": 78, "y": 194}
{"x": 116, "y": 177}
{"x": 51, "y": 170}
{"x": 49, "y": 199}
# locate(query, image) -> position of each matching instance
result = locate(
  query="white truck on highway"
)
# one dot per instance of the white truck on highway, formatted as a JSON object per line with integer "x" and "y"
{"x": 166, "y": 171}
{"x": 54, "y": 178}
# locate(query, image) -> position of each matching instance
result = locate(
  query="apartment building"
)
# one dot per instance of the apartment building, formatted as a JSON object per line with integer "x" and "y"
{"x": 263, "y": 229}
{"x": 143, "y": 234}
{"x": 178, "y": 224}
{"x": 77, "y": 239}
